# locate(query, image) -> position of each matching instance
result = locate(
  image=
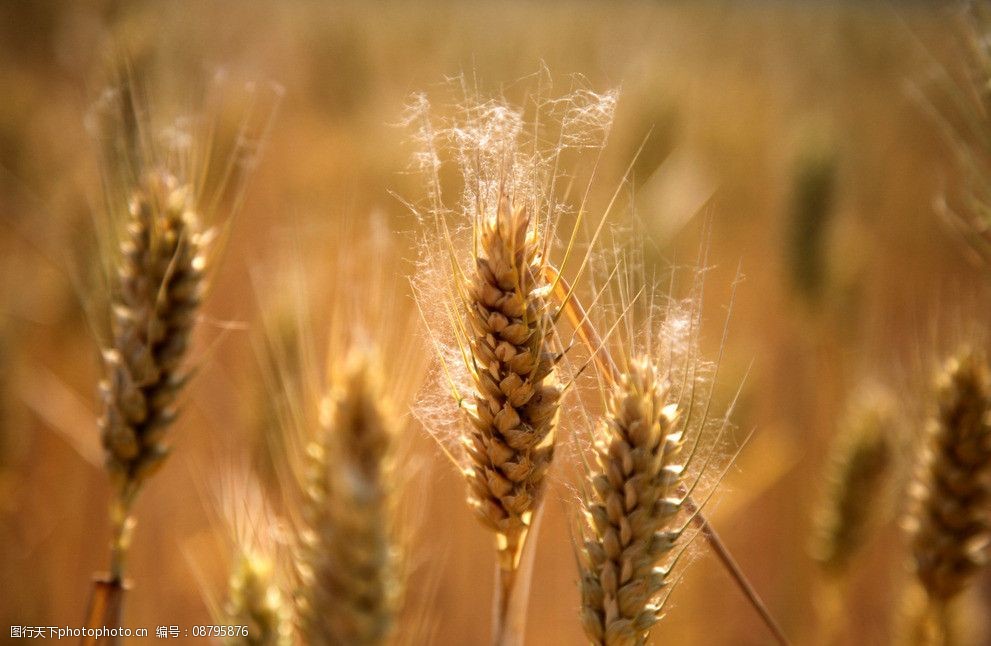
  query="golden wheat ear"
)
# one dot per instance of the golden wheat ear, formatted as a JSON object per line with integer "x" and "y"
{"x": 161, "y": 272}
{"x": 949, "y": 525}
{"x": 515, "y": 399}
{"x": 642, "y": 327}
{"x": 483, "y": 292}
{"x": 164, "y": 199}
{"x": 645, "y": 456}
{"x": 631, "y": 507}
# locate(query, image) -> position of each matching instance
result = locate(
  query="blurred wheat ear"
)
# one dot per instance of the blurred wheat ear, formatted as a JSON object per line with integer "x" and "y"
{"x": 256, "y": 603}
{"x": 949, "y": 526}
{"x": 350, "y": 576}
{"x": 813, "y": 202}
{"x": 858, "y": 468}
{"x": 853, "y": 505}
{"x": 160, "y": 185}
{"x": 160, "y": 273}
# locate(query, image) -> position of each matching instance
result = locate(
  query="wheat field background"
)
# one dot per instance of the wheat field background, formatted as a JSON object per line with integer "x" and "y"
{"x": 732, "y": 98}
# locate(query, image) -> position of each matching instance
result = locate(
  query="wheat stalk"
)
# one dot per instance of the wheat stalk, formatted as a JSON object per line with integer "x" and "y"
{"x": 949, "y": 525}
{"x": 495, "y": 339}
{"x": 159, "y": 286}
{"x": 348, "y": 565}
{"x": 160, "y": 274}
{"x": 167, "y": 181}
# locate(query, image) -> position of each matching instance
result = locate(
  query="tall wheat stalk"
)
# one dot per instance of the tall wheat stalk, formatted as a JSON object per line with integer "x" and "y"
{"x": 160, "y": 272}
{"x": 515, "y": 401}
{"x": 609, "y": 372}
{"x": 648, "y": 455}
{"x": 484, "y": 293}
{"x": 159, "y": 190}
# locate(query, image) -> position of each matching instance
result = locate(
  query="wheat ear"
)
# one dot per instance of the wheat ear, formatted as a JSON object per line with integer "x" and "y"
{"x": 609, "y": 371}
{"x": 857, "y": 473}
{"x": 348, "y": 569}
{"x": 631, "y": 506}
{"x": 514, "y": 405}
{"x": 160, "y": 285}
{"x": 949, "y": 525}
{"x": 256, "y": 603}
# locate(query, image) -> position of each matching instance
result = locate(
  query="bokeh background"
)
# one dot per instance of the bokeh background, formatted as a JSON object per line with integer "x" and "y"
{"x": 789, "y": 131}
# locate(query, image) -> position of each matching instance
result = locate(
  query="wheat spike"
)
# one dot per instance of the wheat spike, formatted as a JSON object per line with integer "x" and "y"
{"x": 348, "y": 565}
{"x": 631, "y": 508}
{"x": 515, "y": 401}
{"x": 160, "y": 286}
{"x": 814, "y": 186}
{"x": 950, "y": 526}
{"x": 858, "y": 468}
{"x": 256, "y": 603}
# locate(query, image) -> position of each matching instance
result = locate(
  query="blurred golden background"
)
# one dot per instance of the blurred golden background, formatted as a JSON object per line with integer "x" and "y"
{"x": 756, "y": 113}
